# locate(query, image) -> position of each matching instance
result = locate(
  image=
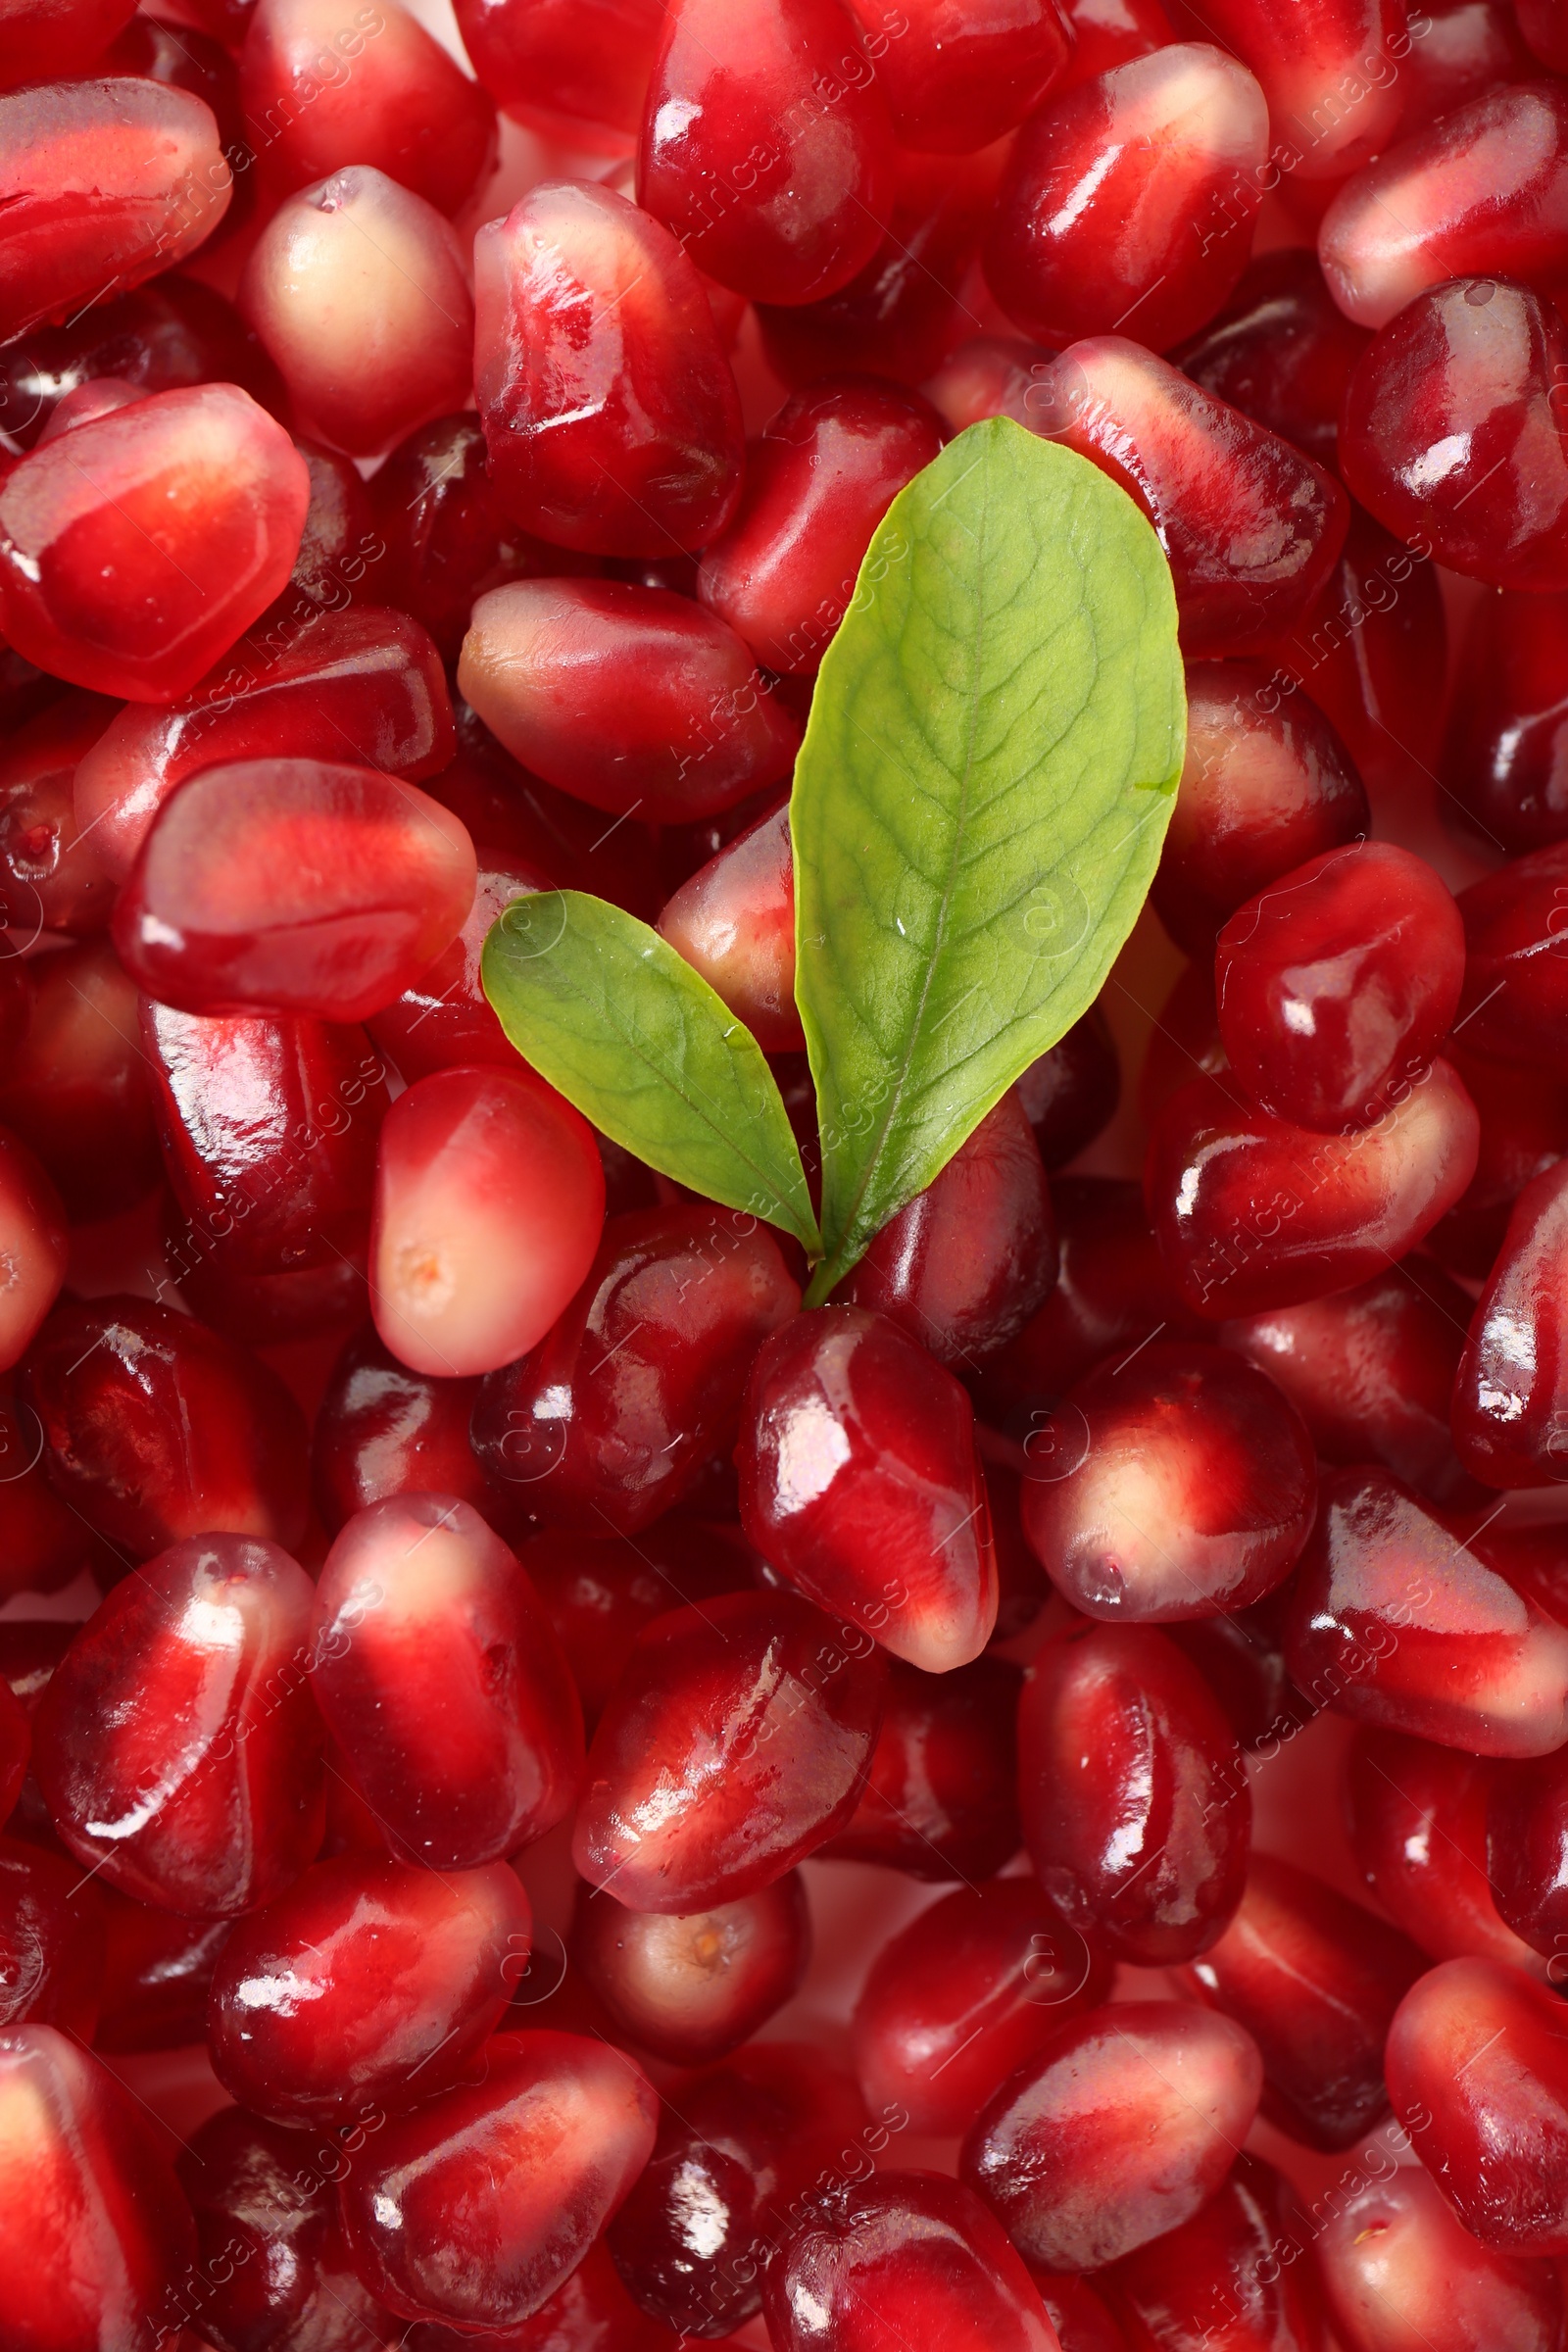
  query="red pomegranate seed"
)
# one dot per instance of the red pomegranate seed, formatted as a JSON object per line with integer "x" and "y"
{"x": 575, "y": 73}
{"x": 98, "y": 398}
{"x": 1509, "y": 1420}
{"x": 477, "y": 2206}
{"x": 907, "y": 2255}
{"x": 1302, "y": 55}
{"x": 443, "y": 1020}
{"x": 1082, "y": 2321}
{"x": 1515, "y": 1002}
{"x": 158, "y": 1972}
{"x": 1545, "y": 33}
{"x": 736, "y": 1742}
{"x": 172, "y": 331}
{"x": 1477, "y": 2073}
{"x": 42, "y": 41}
{"x": 1240, "y": 1656}
{"x": 1108, "y": 32}
{"x": 1400, "y": 2274}
{"x": 438, "y": 1675}
{"x": 1499, "y": 755}
{"x": 1134, "y": 1796}
{"x": 941, "y": 1799}
{"x": 1180, "y": 1483}
{"x": 860, "y": 1484}
{"x": 1280, "y": 350}
{"x": 73, "y": 1087}
{"x": 608, "y": 407}
{"x": 993, "y": 376}
{"x": 95, "y": 2234}
{"x": 1472, "y": 45}
{"x": 1236, "y": 2278}
{"x": 767, "y": 145}
{"x": 369, "y": 1984}
{"x": 734, "y": 922}
{"x": 969, "y": 1991}
{"x": 16, "y": 1747}
{"x": 1527, "y": 1831}
{"x": 1396, "y": 1621}
{"x": 1071, "y": 1095}
{"x": 693, "y": 1987}
{"x": 591, "y": 2310}
{"x": 383, "y": 1430}
{"x": 954, "y": 88}
{"x": 1119, "y": 2130}
{"x": 34, "y": 1247}
{"x": 53, "y": 874}
{"x": 51, "y": 1935}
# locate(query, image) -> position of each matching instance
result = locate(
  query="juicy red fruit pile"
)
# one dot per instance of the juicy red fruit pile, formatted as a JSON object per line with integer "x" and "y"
{"x": 450, "y": 1584}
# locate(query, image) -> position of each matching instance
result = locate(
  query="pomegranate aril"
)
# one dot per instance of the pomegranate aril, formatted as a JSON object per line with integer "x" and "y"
{"x": 98, "y": 398}
{"x": 576, "y": 70}
{"x": 993, "y": 376}
{"x": 734, "y": 922}
{"x": 1477, "y": 2073}
{"x": 95, "y": 2234}
{"x": 73, "y": 1087}
{"x": 1315, "y": 1980}
{"x": 1234, "y": 2278}
{"x": 1118, "y": 2131}
{"x": 1371, "y": 1371}
{"x": 636, "y": 1385}
{"x": 156, "y": 1430}
{"x": 369, "y": 1984}
{"x": 1109, "y": 32}
{"x": 135, "y": 550}
{"x": 52, "y": 876}
{"x": 384, "y": 1430}
{"x": 737, "y": 1741}
{"x": 1450, "y": 432}
{"x": 692, "y": 1987}
{"x": 263, "y": 1310}
{"x": 1081, "y": 2319}
{"x": 1281, "y": 351}
{"x": 608, "y": 407}
{"x": 372, "y": 89}
{"x": 1526, "y": 1846}
{"x": 906, "y": 2256}
{"x": 601, "y": 1593}
{"x": 748, "y": 2146}
{"x": 860, "y": 1484}
{"x": 158, "y": 1971}
{"x": 16, "y": 1747}
{"x": 1072, "y": 1092}
{"x": 629, "y": 698}
{"x": 51, "y": 1938}
{"x": 954, "y": 86}
{"x": 438, "y": 1675}
{"x": 177, "y": 1745}
{"x": 443, "y": 1020}
{"x": 44, "y": 1543}
{"x": 590, "y": 2312}
{"x": 1180, "y": 1483}
{"x": 1252, "y": 1212}
{"x": 767, "y": 145}
{"x": 507, "y": 808}
{"x": 1311, "y": 61}
{"x": 1483, "y": 190}
{"x": 359, "y": 291}
{"x": 1510, "y": 1395}
{"x": 967, "y": 1993}
{"x": 1251, "y": 526}
{"x": 44, "y": 39}
{"x": 818, "y": 484}
{"x": 34, "y": 1247}
{"x": 336, "y": 547}
{"x": 1468, "y": 48}
{"x": 476, "y": 2207}
{"x": 172, "y": 331}
{"x": 1134, "y": 1796}
{"x": 1418, "y": 1830}
{"x": 1402, "y": 2274}
{"x": 1545, "y": 33}
{"x": 1503, "y": 751}
{"x": 1515, "y": 1002}
{"x": 941, "y": 1799}
{"x": 1240, "y": 1656}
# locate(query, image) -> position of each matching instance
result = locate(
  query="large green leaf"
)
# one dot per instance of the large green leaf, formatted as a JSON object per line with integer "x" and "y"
{"x": 607, "y": 1010}
{"x": 978, "y": 806}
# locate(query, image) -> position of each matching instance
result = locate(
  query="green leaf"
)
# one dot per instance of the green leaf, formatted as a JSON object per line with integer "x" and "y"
{"x": 623, "y": 1026}
{"x": 978, "y": 808}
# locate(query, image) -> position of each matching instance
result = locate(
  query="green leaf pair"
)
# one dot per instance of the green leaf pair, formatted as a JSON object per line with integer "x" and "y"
{"x": 977, "y": 813}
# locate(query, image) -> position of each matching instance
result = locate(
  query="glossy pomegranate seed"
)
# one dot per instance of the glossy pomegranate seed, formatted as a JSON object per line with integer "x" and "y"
{"x": 1133, "y": 1792}
{"x": 263, "y": 1310}
{"x": 1180, "y": 1483}
{"x": 359, "y": 291}
{"x": 823, "y": 475}
{"x": 860, "y": 1484}
{"x": 51, "y": 1936}
{"x": 1240, "y": 1656}
{"x": 1235, "y": 2278}
{"x": 1071, "y": 1095}
{"x": 271, "y": 2267}
{"x": 174, "y": 331}
{"x": 1082, "y": 2320}
{"x": 1515, "y": 1002}
{"x": 767, "y": 145}
{"x": 329, "y": 90}
{"x": 636, "y": 1385}
{"x": 1254, "y": 1214}
{"x": 1543, "y": 31}
{"x": 136, "y": 549}
{"x": 1400, "y": 2273}
{"x": 1501, "y": 755}
{"x": 52, "y": 876}
{"x": 177, "y": 1744}
{"x": 1477, "y": 2072}
{"x": 737, "y": 1741}
{"x": 954, "y": 88}
{"x": 1418, "y": 1829}
{"x": 383, "y": 1430}
{"x": 34, "y": 1247}
{"x": 1527, "y": 1831}
{"x": 1280, "y": 350}
{"x": 446, "y": 537}
{"x": 1315, "y": 1980}
{"x": 16, "y": 1745}
{"x": 1108, "y": 32}
{"x": 590, "y": 2310}
{"x": 941, "y": 1800}
{"x": 476, "y": 2207}
{"x": 610, "y": 412}
{"x": 157, "y": 1975}
{"x": 103, "y": 184}
{"x": 1118, "y": 2131}
{"x": 1331, "y": 73}
{"x": 970, "y": 1991}
{"x": 905, "y": 2255}
{"x": 1451, "y": 435}
{"x": 601, "y": 1593}
{"x": 1152, "y": 150}
{"x": 575, "y": 73}
{"x": 993, "y": 376}
{"x": 734, "y": 922}
{"x": 1471, "y": 46}
{"x": 1509, "y": 1419}
{"x": 1252, "y": 527}
{"x": 1401, "y": 1624}
{"x": 369, "y": 1984}
{"x": 42, "y": 41}
{"x": 443, "y": 1020}
{"x": 73, "y": 1087}
{"x": 1484, "y": 188}
{"x": 693, "y": 1989}
{"x": 740, "y": 2157}
{"x": 1371, "y": 1370}
{"x": 439, "y": 1678}
{"x": 155, "y": 1429}
{"x": 630, "y": 698}
{"x": 1267, "y": 784}
{"x": 94, "y": 2230}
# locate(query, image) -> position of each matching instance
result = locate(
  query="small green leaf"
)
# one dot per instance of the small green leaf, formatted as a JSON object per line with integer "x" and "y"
{"x": 979, "y": 804}
{"x": 609, "y": 1014}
